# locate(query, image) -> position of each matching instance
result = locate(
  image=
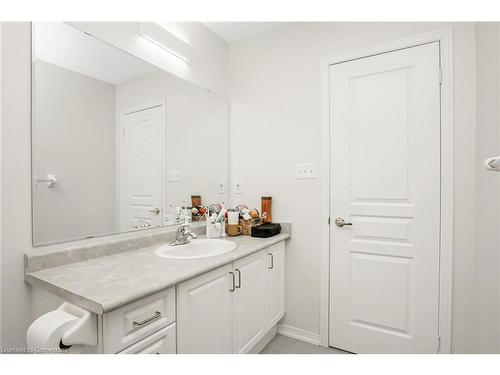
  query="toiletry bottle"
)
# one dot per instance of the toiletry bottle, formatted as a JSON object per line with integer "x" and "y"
{"x": 266, "y": 203}
{"x": 221, "y": 218}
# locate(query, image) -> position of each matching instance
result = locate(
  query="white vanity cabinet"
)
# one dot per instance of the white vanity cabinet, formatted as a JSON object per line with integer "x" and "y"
{"x": 275, "y": 284}
{"x": 249, "y": 302}
{"x": 230, "y": 309}
{"x": 227, "y": 310}
{"x": 204, "y": 310}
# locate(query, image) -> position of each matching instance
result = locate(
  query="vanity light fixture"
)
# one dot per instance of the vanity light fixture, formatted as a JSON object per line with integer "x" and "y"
{"x": 163, "y": 38}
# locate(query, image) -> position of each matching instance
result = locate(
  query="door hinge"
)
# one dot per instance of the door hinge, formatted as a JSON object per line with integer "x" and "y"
{"x": 438, "y": 344}
{"x": 440, "y": 76}
{"x": 328, "y": 220}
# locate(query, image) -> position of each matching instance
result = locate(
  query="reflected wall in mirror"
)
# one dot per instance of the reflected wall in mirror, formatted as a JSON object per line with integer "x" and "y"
{"x": 118, "y": 144}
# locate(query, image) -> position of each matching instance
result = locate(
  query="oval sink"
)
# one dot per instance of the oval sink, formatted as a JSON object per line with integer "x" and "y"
{"x": 196, "y": 249}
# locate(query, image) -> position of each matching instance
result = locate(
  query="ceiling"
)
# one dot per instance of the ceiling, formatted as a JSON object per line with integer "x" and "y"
{"x": 233, "y": 32}
{"x": 60, "y": 44}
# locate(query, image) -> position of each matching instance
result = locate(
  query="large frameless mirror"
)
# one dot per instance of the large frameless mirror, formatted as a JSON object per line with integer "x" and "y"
{"x": 118, "y": 143}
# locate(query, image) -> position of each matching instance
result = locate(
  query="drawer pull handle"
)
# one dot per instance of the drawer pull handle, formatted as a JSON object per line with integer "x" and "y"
{"x": 148, "y": 320}
{"x": 239, "y": 278}
{"x": 233, "y": 279}
{"x": 271, "y": 266}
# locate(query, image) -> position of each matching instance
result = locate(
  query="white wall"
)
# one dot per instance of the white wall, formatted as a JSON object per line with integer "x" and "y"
{"x": 196, "y": 134}
{"x": 488, "y": 186}
{"x": 209, "y": 53}
{"x": 16, "y": 182}
{"x": 18, "y": 307}
{"x": 275, "y": 122}
{"x": 0, "y": 184}
{"x": 73, "y": 138}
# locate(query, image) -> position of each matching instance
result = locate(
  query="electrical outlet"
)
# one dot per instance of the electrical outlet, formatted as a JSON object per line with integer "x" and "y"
{"x": 220, "y": 188}
{"x": 174, "y": 175}
{"x": 237, "y": 189}
{"x": 305, "y": 171}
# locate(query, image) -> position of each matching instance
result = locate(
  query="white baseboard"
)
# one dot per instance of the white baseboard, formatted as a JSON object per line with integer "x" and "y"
{"x": 299, "y": 334}
{"x": 265, "y": 340}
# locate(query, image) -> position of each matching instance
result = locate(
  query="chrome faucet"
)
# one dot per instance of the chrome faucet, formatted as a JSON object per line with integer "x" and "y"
{"x": 183, "y": 235}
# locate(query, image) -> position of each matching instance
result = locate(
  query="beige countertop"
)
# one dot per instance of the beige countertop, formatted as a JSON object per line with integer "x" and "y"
{"x": 103, "y": 284}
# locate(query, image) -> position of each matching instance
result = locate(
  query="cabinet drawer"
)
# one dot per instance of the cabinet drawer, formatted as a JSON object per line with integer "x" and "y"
{"x": 161, "y": 342}
{"x": 129, "y": 324}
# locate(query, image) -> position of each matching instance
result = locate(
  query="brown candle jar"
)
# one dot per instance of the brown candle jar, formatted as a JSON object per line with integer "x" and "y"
{"x": 196, "y": 200}
{"x": 266, "y": 211}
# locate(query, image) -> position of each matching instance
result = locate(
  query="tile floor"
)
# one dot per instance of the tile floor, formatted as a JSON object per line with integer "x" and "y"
{"x": 286, "y": 345}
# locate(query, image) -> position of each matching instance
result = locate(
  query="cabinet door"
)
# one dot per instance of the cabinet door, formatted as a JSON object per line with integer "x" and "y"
{"x": 248, "y": 303}
{"x": 204, "y": 313}
{"x": 275, "y": 280}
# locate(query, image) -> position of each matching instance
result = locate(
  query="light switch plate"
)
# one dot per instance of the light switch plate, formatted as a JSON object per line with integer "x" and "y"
{"x": 237, "y": 189}
{"x": 304, "y": 171}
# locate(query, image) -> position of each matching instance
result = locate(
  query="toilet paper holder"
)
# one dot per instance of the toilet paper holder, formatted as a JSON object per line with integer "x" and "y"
{"x": 84, "y": 332}
{"x": 65, "y": 327}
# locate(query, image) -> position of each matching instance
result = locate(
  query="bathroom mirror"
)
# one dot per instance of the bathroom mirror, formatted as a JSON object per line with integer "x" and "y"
{"x": 118, "y": 144}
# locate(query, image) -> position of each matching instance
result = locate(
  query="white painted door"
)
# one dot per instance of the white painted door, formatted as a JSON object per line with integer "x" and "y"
{"x": 274, "y": 262}
{"x": 142, "y": 154}
{"x": 249, "y": 303}
{"x": 385, "y": 180}
{"x": 204, "y": 313}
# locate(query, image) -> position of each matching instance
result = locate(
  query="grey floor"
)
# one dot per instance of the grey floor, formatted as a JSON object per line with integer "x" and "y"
{"x": 286, "y": 345}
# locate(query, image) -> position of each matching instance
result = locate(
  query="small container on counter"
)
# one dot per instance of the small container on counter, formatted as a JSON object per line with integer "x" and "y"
{"x": 195, "y": 200}
{"x": 266, "y": 208}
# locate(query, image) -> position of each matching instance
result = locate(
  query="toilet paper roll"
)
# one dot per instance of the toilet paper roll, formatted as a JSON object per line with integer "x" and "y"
{"x": 46, "y": 332}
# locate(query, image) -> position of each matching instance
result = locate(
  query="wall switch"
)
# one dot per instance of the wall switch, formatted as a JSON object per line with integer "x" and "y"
{"x": 220, "y": 188}
{"x": 174, "y": 175}
{"x": 237, "y": 189}
{"x": 305, "y": 171}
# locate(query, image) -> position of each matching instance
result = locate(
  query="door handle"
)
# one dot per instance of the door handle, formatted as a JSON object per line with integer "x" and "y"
{"x": 239, "y": 278}
{"x": 340, "y": 222}
{"x": 233, "y": 286}
{"x": 155, "y": 211}
{"x": 271, "y": 266}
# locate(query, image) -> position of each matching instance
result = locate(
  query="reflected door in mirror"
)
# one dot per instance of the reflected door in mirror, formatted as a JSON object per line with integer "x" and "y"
{"x": 142, "y": 154}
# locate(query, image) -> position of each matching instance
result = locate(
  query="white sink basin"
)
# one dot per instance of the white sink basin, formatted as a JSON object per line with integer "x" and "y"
{"x": 196, "y": 249}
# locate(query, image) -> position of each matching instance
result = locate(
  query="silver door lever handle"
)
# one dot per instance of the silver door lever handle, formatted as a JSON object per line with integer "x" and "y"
{"x": 155, "y": 211}
{"x": 340, "y": 222}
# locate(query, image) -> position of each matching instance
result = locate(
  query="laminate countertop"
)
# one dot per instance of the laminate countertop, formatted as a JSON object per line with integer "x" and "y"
{"x": 103, "y": 284}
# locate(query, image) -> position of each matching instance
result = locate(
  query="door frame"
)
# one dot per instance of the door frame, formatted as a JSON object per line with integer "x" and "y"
{"x": 445, "y": 39}
{"x": 141, "y": 107}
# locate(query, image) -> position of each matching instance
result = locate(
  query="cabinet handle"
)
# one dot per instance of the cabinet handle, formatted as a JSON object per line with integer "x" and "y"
{"x": 148, "y": 320}
{"x": 239, "y": 278}
{"x": 233, "y": 287}
{"x": 272, "y": 261}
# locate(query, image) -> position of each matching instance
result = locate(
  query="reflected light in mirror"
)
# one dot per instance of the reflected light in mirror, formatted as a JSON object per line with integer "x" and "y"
{"x": 158, "y": 56}
{"x": 173, "y": 27}
{"x": 165, "y": 39}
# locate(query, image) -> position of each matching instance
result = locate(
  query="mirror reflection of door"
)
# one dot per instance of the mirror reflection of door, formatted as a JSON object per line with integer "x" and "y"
{"x": 142, "y": 154}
